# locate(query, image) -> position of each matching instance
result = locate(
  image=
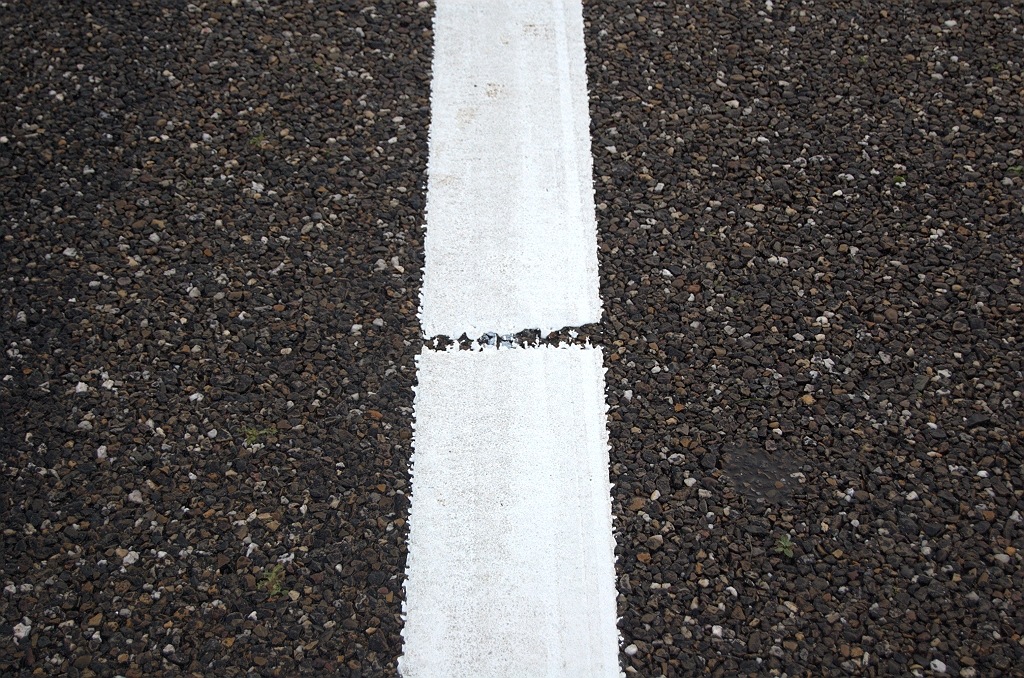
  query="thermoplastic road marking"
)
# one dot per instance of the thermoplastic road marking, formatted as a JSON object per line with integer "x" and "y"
{"x": 511, "y": 239}
{"x": 511, "y": 556}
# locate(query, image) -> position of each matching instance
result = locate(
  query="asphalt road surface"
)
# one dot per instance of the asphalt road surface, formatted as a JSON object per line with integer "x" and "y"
{"x": 810, "y": 238}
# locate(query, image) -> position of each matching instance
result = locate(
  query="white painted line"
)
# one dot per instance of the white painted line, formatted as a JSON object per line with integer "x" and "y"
{"x": 511, "y": 239}
{"x": 511, "y": 566}
{"x": 511, "y": 556}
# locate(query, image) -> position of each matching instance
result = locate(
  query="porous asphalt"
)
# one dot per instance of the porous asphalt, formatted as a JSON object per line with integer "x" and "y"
{"x": 811, "y": 239}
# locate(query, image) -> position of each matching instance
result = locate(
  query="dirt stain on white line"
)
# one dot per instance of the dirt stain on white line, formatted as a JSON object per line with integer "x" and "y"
{"x": 511, "y": 555}
{"x": 511, "y": 239}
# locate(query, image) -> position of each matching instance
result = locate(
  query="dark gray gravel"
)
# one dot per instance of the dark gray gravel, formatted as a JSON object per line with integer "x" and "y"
{"x": 811, "y": 254}
{"x": 811, "y": 250}
{"x": 194, "y": 204}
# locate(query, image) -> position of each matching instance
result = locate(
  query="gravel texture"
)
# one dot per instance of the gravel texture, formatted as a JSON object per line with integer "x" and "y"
{"x": 811, "y": 259}
{"x": 811, "y": 242}
{"x": 211, "y": 249}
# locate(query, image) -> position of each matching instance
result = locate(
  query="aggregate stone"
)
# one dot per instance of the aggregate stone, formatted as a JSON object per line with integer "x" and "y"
{"x": 204, "y": 471}
{"x": 810, "y": 246}
{"x": 810, "y": 237}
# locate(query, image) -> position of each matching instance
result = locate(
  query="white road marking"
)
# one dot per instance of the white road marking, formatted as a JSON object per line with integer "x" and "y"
{"x": 511, "y": 568}
{"x": 511, "y": 238}
{"x": 511, "y": 555}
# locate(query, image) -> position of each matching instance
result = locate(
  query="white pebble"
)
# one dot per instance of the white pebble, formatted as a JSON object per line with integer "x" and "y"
{"x": 81, "y": 387}
{"x": 131, "y": 558}
{"x": 22, "y": 629}
{"x": 911, "y": 496}
{"x": 135, "y": 496}
{"x": 630, "y": 650}
{"x": 938, "y": 666}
